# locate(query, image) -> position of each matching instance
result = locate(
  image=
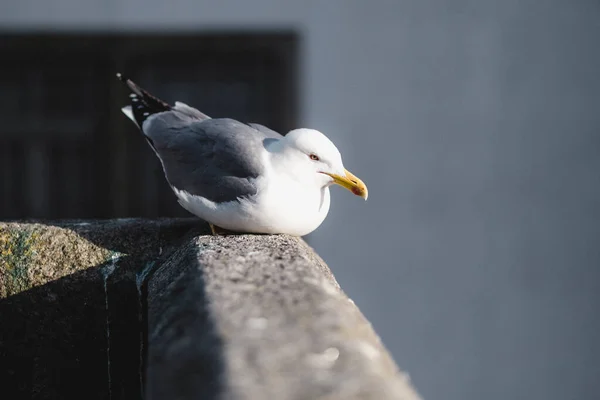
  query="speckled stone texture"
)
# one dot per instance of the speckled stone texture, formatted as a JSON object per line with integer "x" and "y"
{"x": 260, "y": 317}
{"x": 71, "y": 310}
{"x": 92, "y": 309}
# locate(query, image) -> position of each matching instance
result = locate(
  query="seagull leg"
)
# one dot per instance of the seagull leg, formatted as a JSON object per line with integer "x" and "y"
{"x": 217, "y": 230}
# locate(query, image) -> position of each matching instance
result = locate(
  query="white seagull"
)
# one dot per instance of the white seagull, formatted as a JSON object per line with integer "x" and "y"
{"x": 241, "y": 177}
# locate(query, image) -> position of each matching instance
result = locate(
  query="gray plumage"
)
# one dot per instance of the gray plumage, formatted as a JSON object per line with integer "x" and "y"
{"x": 217, "y": 159}
{"x": 214, "y": 158}
{"x": 190, "y": 111}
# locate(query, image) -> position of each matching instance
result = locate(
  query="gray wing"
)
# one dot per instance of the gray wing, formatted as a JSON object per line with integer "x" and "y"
{"x": 216, "y": 158}
{"x": 190, "y": 111}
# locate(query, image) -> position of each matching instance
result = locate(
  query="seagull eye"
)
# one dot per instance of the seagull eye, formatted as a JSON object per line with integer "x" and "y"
{"x": 314, "y": 157}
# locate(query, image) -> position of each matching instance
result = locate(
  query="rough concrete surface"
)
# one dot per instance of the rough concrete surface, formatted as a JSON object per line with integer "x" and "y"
{"x": 71, "y": 312}
{"x": 113, "y": 309}
{"x": 260, "y": 317}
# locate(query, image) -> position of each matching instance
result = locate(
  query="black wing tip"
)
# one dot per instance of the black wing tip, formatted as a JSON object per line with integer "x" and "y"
{"x": 130, "y": 84}
{"x": 122, "y": 78}
{"x": 143, "y": 104}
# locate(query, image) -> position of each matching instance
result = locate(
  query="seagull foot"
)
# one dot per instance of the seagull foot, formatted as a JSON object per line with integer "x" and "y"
{"x": 217, "y": 230}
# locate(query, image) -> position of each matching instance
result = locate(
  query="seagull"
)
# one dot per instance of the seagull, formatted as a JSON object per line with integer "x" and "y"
{"x": 241, "y": 177}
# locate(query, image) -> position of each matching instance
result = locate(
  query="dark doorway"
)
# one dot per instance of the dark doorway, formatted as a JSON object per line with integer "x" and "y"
{"x": 66, "y": 150}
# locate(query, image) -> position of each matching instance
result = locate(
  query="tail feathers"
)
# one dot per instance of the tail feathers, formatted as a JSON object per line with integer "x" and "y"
{"x": 127, "y": 110}
{"x": 143, "y": 104}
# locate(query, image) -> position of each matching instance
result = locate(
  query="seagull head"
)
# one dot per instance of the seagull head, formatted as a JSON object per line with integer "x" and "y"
{"x": 318, "y": 161}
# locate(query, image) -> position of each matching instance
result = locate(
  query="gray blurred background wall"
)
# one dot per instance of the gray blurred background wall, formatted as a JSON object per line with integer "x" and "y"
{"x": 476, "y": 125}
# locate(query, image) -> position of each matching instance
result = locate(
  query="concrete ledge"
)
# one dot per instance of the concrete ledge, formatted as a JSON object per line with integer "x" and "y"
{"x": 236, "y": 317}
{"x": 260, "y": 317}
{"x": 72, "y": 309}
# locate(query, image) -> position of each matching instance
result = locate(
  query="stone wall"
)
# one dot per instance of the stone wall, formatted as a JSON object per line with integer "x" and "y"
{"x": 158, "y": 309}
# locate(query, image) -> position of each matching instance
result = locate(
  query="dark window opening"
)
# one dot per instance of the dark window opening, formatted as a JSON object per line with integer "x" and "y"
{"x": 67, "y": 151}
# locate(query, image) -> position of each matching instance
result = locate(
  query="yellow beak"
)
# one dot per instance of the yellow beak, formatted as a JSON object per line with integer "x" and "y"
{"x": 352, "y": 183}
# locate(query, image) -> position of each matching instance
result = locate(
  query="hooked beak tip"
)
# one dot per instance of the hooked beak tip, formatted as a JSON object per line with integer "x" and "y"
{"x": 352, "y": 183}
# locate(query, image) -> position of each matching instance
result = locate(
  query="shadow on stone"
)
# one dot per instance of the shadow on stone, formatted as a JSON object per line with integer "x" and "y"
{"x": 138, "y": 238}
{"x": 81, "y": 335}
{"x": 53, "y": 341}
{"x": 185, "y": 356}
{"x": 86, "y": 308}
